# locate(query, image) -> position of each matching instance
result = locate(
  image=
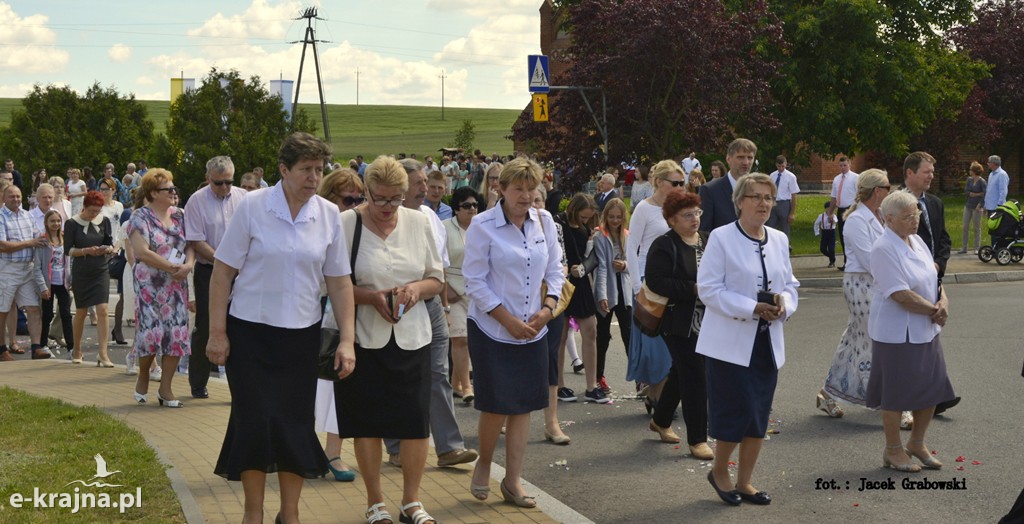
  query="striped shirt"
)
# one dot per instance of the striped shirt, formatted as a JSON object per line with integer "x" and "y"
{"x": 17, "y": 226}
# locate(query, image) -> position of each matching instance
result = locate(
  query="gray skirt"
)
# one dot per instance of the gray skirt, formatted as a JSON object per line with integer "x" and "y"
{"x": 907, "y": 376}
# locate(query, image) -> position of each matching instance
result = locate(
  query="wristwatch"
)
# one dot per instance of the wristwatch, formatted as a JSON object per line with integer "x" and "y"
{"x": 447, "y": 309}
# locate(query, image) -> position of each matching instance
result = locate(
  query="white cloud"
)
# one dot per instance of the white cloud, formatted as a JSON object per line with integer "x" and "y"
{"x": 35, "y": 51}
{"x": 119, "y": 53}
{"x": 153, "y": 95}
{"x": 483, "y": 8}
{"x": 15, "y": 90}
{"x": 145, "y": 80}
{"x": 260, "y": 20}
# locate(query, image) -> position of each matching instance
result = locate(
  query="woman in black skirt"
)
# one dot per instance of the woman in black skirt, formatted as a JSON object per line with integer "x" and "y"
{"x": 280, "y": 244}
{"x": 578, "y": 226}
{"x": 747, "y": 285}
{"x": 89, "y": 241}
{"x": 511, "y": 249}
{"x": 397, "y": 266}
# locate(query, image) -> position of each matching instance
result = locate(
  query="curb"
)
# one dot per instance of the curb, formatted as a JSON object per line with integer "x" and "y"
{"x": 953, "y": 278}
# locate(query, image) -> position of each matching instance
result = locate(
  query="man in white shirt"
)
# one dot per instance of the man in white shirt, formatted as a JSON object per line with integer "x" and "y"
{"x": 844, "y": 192}
{"x": 448, "y": 442}
{"x": 997, "y": 186}
{"x": 44, "y": 201}
{"x": 207, "y": 215}
{"x": 690, "y": 163}
{"x": 785, "y": 200}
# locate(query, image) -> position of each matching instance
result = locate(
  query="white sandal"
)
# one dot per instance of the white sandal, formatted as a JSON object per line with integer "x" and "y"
{"x": 377, "y": 514}
{"x": 419, "y": 516}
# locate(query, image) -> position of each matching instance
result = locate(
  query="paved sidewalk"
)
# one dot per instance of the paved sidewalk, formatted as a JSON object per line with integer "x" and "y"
{"x": 189, "y": 441}
{"x": 812, "y": 271}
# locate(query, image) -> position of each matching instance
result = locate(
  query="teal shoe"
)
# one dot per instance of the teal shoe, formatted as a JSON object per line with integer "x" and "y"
{"x": 341, "y": 475}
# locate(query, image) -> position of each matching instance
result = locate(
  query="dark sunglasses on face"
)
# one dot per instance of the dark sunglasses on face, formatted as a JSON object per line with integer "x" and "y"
{"x": 222, "y": 182}
{"x": 351, "y": 201}
{"x": 677, "y": 183}
{"x": 467, "y": 205}
{"x": 171, "y": 189}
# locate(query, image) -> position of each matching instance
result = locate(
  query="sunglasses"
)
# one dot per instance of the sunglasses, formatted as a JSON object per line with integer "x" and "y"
{"x": 676, "y": 183}
{"x": 222, "y": 182}
{"x": 468, "y": 205}
{"x": 171, "y": 189}
{"x": 351, "y": 201}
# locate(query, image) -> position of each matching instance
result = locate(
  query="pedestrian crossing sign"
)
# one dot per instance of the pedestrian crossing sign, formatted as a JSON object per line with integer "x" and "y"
{"x": 537, "y": 68}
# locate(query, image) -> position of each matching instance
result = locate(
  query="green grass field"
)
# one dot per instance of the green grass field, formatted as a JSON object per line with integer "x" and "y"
{"x": 372, "y": 130}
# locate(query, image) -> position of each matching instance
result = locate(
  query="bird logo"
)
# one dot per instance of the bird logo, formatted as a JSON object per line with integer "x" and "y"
{"x": 101, "y": 473}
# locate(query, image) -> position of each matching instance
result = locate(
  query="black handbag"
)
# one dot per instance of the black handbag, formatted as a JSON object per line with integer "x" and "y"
{"x": 116, "y": 266}
{"x": 330, "y": 337}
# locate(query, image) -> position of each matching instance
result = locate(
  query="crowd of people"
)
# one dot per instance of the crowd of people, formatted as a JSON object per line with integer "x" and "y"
{"x": 495, "y": 281}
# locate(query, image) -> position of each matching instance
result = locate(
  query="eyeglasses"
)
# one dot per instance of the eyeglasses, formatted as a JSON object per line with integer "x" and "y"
{"x": 105, "y": 189}
{"x": 351, "y": 201}
{"x": 676, "y": 183}
{"x": 380, "y": 202}
{"x": 911, "y": 217}
{"x": 696, "y": 213}
{"x": 171, "y": 189}
{"x": 467, "y": 205}
{"x": 492, "y": 178}
{"x": 768, "y": 199}
{"x": 222, "y": 182}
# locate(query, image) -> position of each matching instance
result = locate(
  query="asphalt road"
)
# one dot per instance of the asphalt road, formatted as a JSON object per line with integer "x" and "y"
{"x": 616, "y": 471}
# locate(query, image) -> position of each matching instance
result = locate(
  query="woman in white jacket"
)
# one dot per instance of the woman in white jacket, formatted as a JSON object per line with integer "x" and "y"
{"x": 747, "y": 285}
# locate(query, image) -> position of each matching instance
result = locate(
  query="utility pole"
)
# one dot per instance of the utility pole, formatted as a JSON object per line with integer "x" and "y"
{"x": 442, "y": 77}
{"x": 357, "y": 86}
{"x": 310, "y": 39}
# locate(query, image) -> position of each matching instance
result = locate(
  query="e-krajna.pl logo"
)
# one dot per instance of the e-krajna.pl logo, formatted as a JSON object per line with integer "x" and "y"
{"x": 77, "y": 500}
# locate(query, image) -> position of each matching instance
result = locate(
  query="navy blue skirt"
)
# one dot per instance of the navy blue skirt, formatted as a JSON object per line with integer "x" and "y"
{"x": 508, "y": 379}
{"x": 740, "y": 398}
{"x": 553, "y": 338}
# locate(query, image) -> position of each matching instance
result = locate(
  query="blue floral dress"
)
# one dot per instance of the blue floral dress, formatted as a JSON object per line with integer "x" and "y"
{"x": 161, "y": 303}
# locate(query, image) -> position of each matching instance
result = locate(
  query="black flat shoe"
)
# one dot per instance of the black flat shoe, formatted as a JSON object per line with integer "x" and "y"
{"x": 200, "y": 393}
{"x": 943, "y": 406}
{"x": 760, "y": 498}
{"x": 732, "y": 498}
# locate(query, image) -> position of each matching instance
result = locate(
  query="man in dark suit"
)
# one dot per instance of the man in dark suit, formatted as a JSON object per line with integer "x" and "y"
{"x": 918, "y": 172}
{"x": 605, "y": 190}
{"x": 716, "y": 195}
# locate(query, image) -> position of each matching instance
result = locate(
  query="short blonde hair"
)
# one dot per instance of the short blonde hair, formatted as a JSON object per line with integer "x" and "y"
{"x": 663, "y": 169}
{"x": 521, "y": 170}
{"x": 745, "y": 182}
{"x": 152, "y": 180}
{"x": 343, "y": 179}
{"x": 385, "y": 171}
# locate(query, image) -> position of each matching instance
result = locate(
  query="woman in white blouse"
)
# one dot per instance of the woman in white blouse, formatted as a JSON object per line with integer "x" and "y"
{"x": 397, "y": 267}
{"x": 747, "y": 285}
{"x": 847, "y": 378}
{"x": 510, "y": 250}
{"x": 649, "y": 359}
{"x": 281, "y": 243}
{"x": 464, "y": 202}
{"x": 908, "y": 310}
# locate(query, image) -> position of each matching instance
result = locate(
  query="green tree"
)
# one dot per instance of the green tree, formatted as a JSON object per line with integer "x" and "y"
{"x": 56, "y": 129}
{"x": 465, "y": 135}
{"x": 241, "y": 120}
{"x": 867, "y": 75}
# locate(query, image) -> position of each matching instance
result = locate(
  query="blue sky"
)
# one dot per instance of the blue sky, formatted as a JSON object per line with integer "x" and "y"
{"x": 399, "y": 47}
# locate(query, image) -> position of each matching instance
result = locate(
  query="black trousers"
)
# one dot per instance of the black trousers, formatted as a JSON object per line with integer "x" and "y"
{"x": 828, "y": 244}
{"x": 840, "y": 221}
{"x": 63, "y": 298}
{"x": 686, "y": 382}
{"x": 198, "y": 363}
{"x": 604, "y": 332}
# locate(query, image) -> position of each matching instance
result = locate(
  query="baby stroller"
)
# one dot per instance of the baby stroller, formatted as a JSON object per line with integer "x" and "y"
{"x": 1007, "y": 231}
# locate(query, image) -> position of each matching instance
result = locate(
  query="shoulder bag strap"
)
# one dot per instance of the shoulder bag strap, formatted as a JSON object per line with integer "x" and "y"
{"x": 355, "y": 245}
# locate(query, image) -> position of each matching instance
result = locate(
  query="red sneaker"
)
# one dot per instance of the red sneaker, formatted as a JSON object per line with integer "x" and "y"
{"x": 603, "y": 385}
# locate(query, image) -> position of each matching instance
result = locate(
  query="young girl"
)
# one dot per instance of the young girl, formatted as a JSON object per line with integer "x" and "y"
{"x": 612, "y": 286}
{"x": 56, "y": 272}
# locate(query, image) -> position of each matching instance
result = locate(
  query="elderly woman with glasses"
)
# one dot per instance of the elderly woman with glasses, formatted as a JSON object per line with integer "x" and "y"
{"x": 112, "y": 209}
{"x": 748, "y": 289}
{"x": 464, "y": 202}
{"x": 908, "y": 310}
{"x": 397, "y": 266}
{"x": 163, "y": 260}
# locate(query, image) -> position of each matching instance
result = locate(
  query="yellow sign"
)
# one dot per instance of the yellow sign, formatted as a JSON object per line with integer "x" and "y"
{"x": 540, "y": 107}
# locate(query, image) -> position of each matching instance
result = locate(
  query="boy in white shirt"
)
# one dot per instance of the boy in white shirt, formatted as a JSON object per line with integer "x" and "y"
{"x": 825, "y": 226}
